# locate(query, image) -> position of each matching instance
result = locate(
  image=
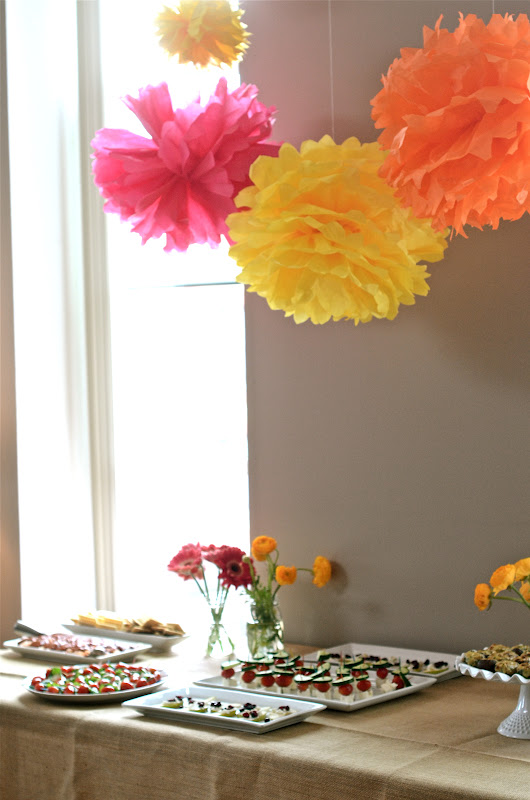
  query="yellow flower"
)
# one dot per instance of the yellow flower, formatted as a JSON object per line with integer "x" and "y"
{"x": 285, "y": 575}
{"x": 522, "y": 569}
{"x": 483, "y": 596}
{"x": 262, "y": 546}
{"x": 321, "y": 571}
{"x": 203, "y": 32}
{"x": 502, "y": 578}
{"x": 525, "y": 591}
{"x": 321, "y": 236}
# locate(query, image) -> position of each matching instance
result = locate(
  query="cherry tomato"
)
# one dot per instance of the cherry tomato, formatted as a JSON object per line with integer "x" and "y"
{"x": 141, "y": 682}
{"x": 382, "y": 672}
{"x": 267, "y": 680}
{"x": 400, "y": 683}
{"x": 346, "y": 689}
{"x": 53, "y": 689}
{"x": 124, "y": 685}
{"x": 107, "y": 689}
{"x": 283, "y": 680}
{"x": 248, "y": 676}
{"x": 69, "y": 689}
{"x": 83, "y": 689}
{"x": 303, "y": 687}
{"x": 322, "y": 687}
{"x": 227, "y": 673}
{"x": 36, "y": 679}
{"x": 364, "y": 685}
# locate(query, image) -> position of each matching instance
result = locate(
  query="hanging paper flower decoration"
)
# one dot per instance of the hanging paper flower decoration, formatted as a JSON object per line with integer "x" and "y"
{"x": 456, "y": 120}
{"x": 203, "y": 32}
{"x": 182, "y": 181}
{"x": 323, "y": 237}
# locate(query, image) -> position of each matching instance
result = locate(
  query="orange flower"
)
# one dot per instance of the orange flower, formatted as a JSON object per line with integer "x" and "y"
{"x": 321, "y": 571}
{"x": 525, "y": 591}
{"x": 522, "y": 569}
{"x": 502, "y": 578}
{"x": 482, "y": 596}
{"x": 285, "y": 575}
{"x": 262, "y": 546}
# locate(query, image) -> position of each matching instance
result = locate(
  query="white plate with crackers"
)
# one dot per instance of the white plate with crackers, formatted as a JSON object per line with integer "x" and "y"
{"x": 160, "y": 635}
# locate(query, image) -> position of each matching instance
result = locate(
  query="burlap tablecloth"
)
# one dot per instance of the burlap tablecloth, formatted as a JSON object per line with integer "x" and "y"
{"x": 438, "y": 744}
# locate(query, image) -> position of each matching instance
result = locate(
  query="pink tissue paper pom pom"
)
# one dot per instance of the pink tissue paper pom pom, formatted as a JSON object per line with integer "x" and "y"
{"x": 182, "y": 181}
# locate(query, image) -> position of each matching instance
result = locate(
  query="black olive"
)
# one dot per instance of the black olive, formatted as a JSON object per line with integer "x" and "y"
{"x": 486, "y": 663}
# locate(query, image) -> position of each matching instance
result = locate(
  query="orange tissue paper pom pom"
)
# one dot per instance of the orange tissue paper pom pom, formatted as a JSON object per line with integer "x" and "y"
{"x": 455, "y": 115}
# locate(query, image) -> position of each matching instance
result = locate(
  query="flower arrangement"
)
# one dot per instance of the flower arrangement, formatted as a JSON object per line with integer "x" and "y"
{"x": 266, "y": 630}
{"x": 504, "y": 579}
{"x": 232, "y": 571}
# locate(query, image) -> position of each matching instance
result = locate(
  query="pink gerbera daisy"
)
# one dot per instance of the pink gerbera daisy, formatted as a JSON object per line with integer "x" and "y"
{"x": 188, "y": 562}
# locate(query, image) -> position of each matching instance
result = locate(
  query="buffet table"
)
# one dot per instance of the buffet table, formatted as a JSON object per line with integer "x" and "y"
{"x": 438, "y": 744}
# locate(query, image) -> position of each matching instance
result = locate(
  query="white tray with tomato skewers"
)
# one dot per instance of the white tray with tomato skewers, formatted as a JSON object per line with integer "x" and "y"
{"x": 346, "y": 685}
{"x": 95, "y": 683}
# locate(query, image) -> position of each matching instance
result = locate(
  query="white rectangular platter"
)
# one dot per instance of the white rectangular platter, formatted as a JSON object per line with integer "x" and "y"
{"x": 60, "y": 657}
{"x": 335, "y": 702}
{"x": 151, "y": 706}
{"x": 401, "y": 655}
{"x": 156, "y": 641}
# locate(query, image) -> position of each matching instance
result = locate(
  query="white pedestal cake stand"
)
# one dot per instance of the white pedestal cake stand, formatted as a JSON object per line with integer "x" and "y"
{"x": 517, "y": 725}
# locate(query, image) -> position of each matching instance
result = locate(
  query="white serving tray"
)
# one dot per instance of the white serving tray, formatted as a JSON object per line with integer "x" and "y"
{"x": 60, "y": 657}
{"x": 416, "y": 683}
{"x": 91, "y": 699}
{"x": 401, "y": 653}
{"x": 156, "y": 641}
{"x": 150, "y": 706}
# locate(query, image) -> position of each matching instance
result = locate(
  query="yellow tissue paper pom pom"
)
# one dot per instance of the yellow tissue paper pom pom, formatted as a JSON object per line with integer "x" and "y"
{"x": 321, "y": 236}
{"x": 203, "y": 32}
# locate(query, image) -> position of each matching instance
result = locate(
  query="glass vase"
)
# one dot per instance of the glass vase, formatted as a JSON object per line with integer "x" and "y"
{"x": 219, "y": 644}
{"x": 264, "y": 629}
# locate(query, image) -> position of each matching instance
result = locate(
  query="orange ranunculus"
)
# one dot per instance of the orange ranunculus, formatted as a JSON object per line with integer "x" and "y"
{"x": 285, "y": 575}
{"x": 502, "y": 578}
{"x": 262, "y": 546}
{"x": 522, "y": 569}
{"x": 525, "y": 591}
{"x": 321, "y": 571}
{"x": 483, "y": 596}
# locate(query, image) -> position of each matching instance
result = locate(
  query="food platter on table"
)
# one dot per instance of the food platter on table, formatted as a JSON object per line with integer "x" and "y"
{"x": 344, "y": 686}
{"x": 146, "y": 630}
{"x": 65, "y": 648}
{"x": 223, "y": 708}
{"x": 95, "y": 683}
{"x": 502, "y": 664}
{"x": 440, "y": 666}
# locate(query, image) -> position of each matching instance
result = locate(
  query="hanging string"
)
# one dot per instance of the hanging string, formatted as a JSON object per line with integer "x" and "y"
{"x": 332, "y": 99}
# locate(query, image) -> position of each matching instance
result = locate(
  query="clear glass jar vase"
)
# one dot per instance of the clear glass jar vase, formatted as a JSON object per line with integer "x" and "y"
{"x": 264, "y": 628}
{"x": 219, "y": 644}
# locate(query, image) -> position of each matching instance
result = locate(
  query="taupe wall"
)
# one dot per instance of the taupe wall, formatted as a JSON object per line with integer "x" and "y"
{"x": 399, "y": 449}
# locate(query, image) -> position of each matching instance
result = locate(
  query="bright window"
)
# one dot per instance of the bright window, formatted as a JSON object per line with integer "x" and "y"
{"x": 177, "y": 363}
